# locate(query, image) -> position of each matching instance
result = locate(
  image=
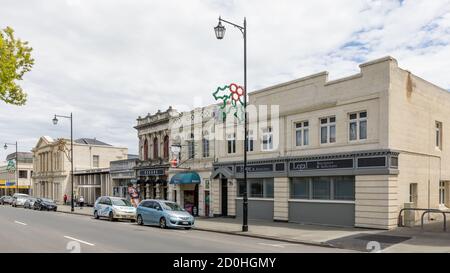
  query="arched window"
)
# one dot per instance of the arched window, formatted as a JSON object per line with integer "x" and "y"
{"x": 191, "y": 147}
{"x": 155, "y": 148}
{"x": 145, "y": 150}
{"x": 205, "y": 144}
{"x": 166, "y": 147}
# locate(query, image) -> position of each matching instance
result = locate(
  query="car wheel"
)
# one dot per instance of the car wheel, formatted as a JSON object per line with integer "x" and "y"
{"x": 162, "y": 223}
{"x": 95, "y": 215}
{"x": 132, "y": 221}
{"x": 111, "y": 216}
{"x": 140, "y": 221}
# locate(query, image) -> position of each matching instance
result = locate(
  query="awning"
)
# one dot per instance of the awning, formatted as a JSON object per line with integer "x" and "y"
{"x": 185, "y": 178}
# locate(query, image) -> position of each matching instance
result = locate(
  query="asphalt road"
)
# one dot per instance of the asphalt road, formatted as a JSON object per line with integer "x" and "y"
{"x": 24, "y": 230}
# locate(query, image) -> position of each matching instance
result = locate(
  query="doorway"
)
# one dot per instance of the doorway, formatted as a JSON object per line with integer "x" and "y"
{"x": 224, "y": 196}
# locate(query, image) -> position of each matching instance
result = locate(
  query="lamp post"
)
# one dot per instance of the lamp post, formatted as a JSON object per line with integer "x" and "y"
{"x": 220, "y": 33}
{"x": 17, "y": 165}
{"x": 55, "y": 121}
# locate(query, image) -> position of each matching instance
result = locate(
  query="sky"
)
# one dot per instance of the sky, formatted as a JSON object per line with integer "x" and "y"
{"x": 111, "y": 61}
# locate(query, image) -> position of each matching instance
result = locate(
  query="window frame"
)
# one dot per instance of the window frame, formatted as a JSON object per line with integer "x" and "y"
{"x": 304, "y": 126}
{"x": 231, "y": 143}
{"x": 357, "y": 121}
{"x": 413, "y": 193}
{"x": 328, "y": 126}
{"x": 267, "y": 133}
{"x": 331, "y": 189}
{"x": 438, "y": 135}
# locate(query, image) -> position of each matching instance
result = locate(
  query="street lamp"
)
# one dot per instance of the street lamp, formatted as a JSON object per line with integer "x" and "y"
{"x": 17, "y": 165}
{"x": 55, "y": 122}
{"x": 220, "y": 33}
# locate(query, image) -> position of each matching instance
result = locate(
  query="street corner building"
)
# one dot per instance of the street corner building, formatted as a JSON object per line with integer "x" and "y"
{"x": 8, "y": 174}
{"x": 91, "y": 162}
{"x": 347, "y": 152}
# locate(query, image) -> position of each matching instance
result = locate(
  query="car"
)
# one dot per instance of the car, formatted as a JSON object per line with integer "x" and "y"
{"x": 6, "y": 199}
{"x": 163, "y": 213}
{"x": 114, "y": 208}
{"x": 29, "y": 203}
{"x": 19, "y": 199}
{"x": 44, "y": 204}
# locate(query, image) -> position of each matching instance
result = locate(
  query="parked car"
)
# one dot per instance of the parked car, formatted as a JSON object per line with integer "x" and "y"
{"x": 6, "y": 199}
{"x": 29, "y": 203}
{"x": 163, "y": 213}
{"x": 44, "y": 204}
{"x": 114, "y": 208}
{"x": 19, "y": 199}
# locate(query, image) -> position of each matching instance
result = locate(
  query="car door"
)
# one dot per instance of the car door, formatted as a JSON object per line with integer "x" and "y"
{"x": 144, "y": 211}
{"x": 157, "y": 212}
{"x": 107, "y": 206}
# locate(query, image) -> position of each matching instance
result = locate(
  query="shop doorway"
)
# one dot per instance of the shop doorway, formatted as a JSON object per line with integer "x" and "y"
{"x": 207, "y": 203}
{"x": 224, "y": 196}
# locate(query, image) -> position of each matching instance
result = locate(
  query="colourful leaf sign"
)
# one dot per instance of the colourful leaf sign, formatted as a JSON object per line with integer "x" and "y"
{"x": 232, "y": 100}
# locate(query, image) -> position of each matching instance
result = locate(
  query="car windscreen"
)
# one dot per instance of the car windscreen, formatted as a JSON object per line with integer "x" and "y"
{"x": 171, "y": 206}
{"x": 47, "y": 200}
{"x": 121, "y": 202}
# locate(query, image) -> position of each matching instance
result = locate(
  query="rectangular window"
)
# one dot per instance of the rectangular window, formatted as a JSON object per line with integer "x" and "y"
{"x": 340, "y": 188}
{"x": 23, "y": 174}
{"x": 300, "y": 188}
{"x": 442, "y": 193}
{"x": 231, "y": 143}
{"x": 321, "y": 188}
{"x": 205, "y": 147}
{"x": 302, "y": 133}
{"x": 96, "y": 161}
{"x": 257, "y": 187}
{"x": 413, "y": 193}
{"x": 344, "y": 188}
{"x": 439, "y": 135}
{"x": 328, "y": 130}
{"x": 250, "y": 141}
{"x": 357, "y": 126}
{"x": 267, "y": 139}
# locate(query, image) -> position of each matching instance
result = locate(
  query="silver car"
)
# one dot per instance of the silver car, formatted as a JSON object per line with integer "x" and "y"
{"x": 114, "y": 208}
{"x": 29, "y": 204}
{"x": 19, "y": 199}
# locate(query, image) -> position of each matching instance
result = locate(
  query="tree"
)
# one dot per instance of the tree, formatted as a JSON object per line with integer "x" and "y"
{"x": 15, "y": 61}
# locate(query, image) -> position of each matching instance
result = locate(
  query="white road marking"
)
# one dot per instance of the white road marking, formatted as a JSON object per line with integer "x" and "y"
{"x": 78, "y": 240}
{"x": 20, "y": 223}
{"x": 276, "y": 245}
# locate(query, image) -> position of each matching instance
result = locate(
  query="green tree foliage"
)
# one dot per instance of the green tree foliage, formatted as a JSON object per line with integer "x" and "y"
{"x": 15, "y": 61}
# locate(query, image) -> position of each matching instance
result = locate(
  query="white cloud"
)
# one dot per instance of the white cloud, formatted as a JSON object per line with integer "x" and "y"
{"x": 111, "y": 61}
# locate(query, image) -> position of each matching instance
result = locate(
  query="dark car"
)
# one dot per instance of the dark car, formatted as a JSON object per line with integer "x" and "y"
{"x": 29, "y": 204}
{"x": 44, "y": 204}
{"x": 6, "y": 199}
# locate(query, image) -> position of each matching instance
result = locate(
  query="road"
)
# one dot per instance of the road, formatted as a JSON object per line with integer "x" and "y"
{"x": 24, "y": 230}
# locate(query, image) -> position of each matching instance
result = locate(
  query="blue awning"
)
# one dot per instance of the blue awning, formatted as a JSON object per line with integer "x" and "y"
{"x": 185, "y": 178}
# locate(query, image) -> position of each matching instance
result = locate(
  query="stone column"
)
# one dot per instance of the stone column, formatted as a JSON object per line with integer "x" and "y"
{"x": 158, "y": 191}
{"x": 281, "y": 196}
{"x": 147, "y": 191}
{"x": 232, "y": 197}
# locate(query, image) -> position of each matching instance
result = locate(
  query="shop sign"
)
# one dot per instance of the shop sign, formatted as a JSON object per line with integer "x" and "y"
{"x": 151, "y": 172}
{"x": 255, "y": 168}
{"x": 321, "y": 165}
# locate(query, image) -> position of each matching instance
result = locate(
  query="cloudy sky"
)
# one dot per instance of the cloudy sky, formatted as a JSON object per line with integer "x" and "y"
{"x": 110, "y": 61}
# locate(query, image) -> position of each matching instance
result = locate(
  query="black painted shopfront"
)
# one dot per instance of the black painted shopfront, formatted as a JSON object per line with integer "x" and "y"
{"x": 152, "y": 182}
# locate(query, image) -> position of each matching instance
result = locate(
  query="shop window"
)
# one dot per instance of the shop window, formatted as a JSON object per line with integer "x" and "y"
{"x": 257, "y": 187}
{"x": 241, "y": 188}
{"x": 321, "y": 188}
{"x": 231, "y": 143}
{"x": 328, "y": 130}
{"x": 439, "y": 135}
{"x": 357, "y": 126}
{"x": 413, "y": 193}
{"x": 302, "y": 133}
{"x": 344, "y": 188}
{"x": 300, "y": 188}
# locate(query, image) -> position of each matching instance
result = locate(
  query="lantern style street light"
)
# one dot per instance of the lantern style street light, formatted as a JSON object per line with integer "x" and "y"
{"x": 55, "y": 122}
{"x": 220, "y": 33}
{"x": 17, "y": 165}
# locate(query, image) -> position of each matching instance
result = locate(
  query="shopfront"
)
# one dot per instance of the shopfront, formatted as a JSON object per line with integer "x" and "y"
{"x": 187, "y": 184}
{"x": 315, "y": 189}
{"x": 152, "y": 183}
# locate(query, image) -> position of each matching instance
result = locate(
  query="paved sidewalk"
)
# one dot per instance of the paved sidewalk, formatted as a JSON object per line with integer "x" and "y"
{"x": 431, "y": 239}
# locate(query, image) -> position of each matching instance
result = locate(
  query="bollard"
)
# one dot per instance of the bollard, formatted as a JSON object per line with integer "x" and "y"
{"x": 410, "y": 215}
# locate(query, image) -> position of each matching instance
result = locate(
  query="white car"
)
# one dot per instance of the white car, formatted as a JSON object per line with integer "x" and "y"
{"x": 19, "y": 199}
{"x": 114, "y": 208}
